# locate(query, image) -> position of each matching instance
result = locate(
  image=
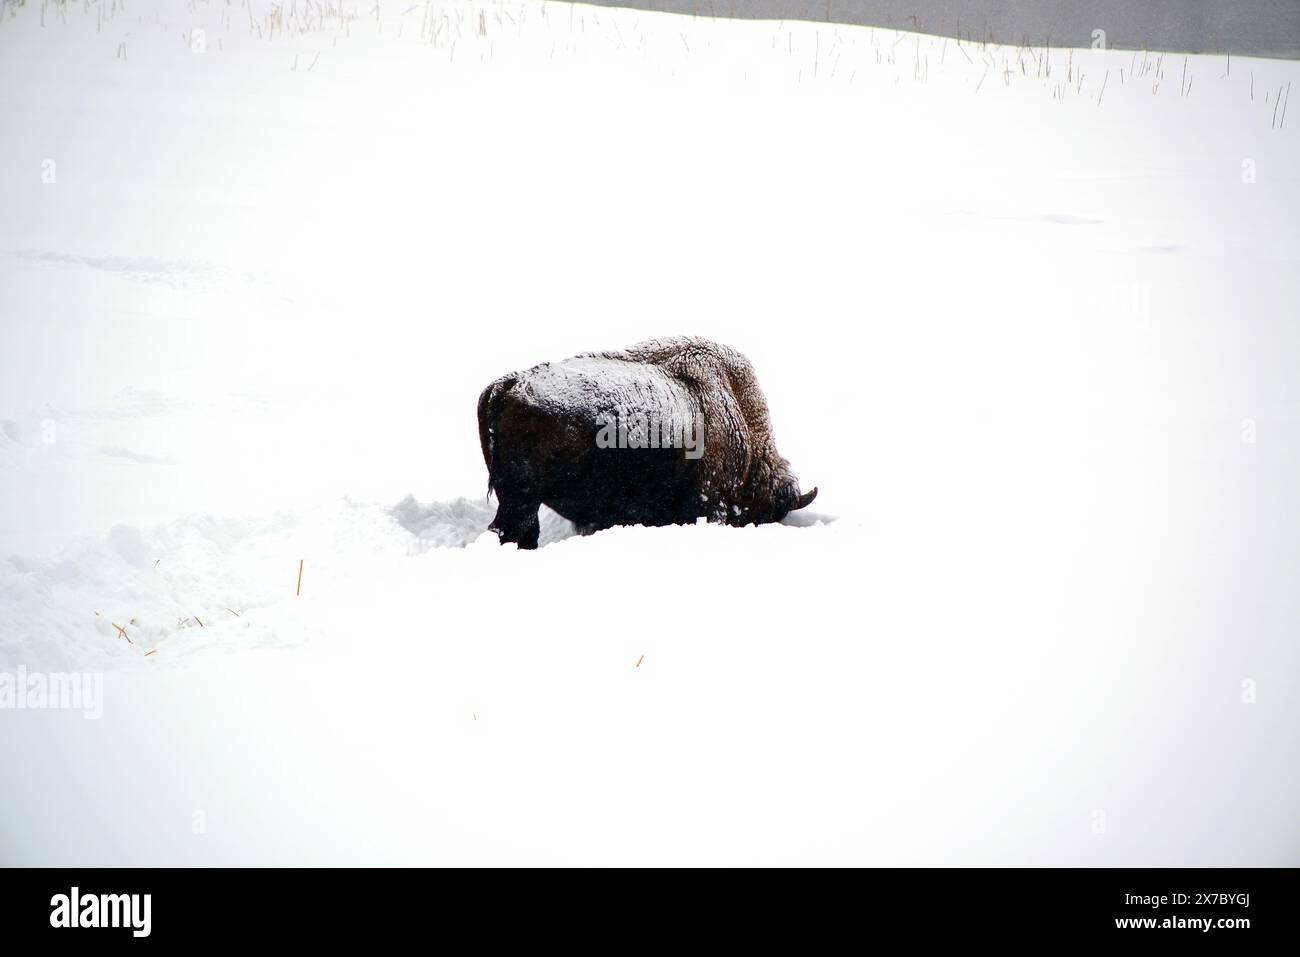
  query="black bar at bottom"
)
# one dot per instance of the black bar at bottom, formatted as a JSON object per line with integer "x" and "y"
{"x": 801, "y": 907}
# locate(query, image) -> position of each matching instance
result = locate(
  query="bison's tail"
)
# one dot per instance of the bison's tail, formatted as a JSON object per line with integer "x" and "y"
{"x": 488, "y": 405}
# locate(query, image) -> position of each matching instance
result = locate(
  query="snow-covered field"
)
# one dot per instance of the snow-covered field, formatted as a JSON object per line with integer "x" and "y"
{"x": 1026, "y": 317}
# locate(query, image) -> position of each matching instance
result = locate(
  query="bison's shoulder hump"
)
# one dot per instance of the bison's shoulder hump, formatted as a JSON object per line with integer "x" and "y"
{"x": 690, "y": 358}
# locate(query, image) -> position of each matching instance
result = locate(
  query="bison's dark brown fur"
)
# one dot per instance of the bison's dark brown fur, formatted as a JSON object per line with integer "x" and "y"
{"x": 539, "y": 428}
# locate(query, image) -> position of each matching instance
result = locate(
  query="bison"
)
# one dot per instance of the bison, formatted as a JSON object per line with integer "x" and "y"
{"x": 665, "y": 432}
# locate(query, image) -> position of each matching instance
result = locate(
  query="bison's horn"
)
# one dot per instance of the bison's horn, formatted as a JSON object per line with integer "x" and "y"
{"x": 805, "y": 500}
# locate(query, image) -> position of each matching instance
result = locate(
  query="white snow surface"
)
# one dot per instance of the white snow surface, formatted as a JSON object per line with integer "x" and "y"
{"x": 1026, "y": 317}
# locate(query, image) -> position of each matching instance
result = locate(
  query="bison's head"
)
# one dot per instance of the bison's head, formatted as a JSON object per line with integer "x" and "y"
{"x": 774, "y": 492}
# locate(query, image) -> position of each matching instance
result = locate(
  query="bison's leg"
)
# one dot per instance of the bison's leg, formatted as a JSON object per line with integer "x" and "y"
{"x": 516, "y": 521}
